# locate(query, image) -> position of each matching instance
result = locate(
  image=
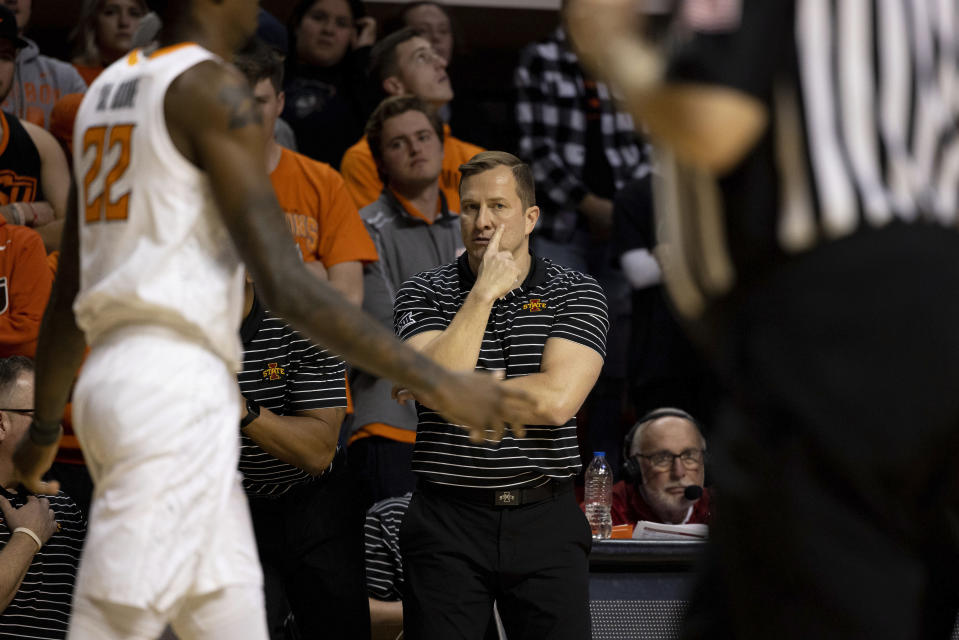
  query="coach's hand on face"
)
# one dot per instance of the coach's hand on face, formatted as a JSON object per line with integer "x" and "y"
{"x": 498, "y": 272}
{"x": 36, "y": 515}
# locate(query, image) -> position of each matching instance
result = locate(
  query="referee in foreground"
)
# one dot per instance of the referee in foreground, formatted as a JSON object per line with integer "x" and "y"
{"x": 811, "y": 172}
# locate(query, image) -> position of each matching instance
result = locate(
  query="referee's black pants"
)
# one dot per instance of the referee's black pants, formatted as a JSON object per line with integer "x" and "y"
{"x": 458, "y": 557}
{"x": 838, "y": 467}
{"x": 310, "y": 542}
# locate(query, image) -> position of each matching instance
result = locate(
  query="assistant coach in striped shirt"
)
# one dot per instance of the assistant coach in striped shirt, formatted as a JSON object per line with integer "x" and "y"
{"x": 496, "y": 519}
{"x": 307, "y": 509}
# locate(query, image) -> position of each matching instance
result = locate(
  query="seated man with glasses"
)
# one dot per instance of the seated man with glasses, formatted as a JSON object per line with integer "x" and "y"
{"x": 665, "y": 454}
{"x": 40, "y": 536}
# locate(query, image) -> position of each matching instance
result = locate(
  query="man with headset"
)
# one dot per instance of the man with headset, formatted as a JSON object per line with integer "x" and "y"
{"x": 663, "y": 472}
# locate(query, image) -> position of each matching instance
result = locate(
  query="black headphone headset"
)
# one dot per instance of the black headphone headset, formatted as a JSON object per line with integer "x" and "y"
{"x": 631, "y": 470}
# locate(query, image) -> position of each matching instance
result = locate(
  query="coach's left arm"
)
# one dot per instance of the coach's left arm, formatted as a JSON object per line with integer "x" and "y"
{"x": 567, "y": 375}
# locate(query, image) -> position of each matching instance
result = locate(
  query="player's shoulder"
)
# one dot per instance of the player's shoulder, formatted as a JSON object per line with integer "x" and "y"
{"x": 207, "y": 79}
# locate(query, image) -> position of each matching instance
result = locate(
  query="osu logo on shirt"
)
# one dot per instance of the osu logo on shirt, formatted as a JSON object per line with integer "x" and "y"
{"x": 16, "y": 188}
{"x": 534, "y": 305}
{"x": 274, "y": 371}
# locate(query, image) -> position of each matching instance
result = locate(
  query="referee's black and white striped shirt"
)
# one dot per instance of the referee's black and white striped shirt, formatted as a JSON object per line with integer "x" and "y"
{"x": 864, "y": 132}
{"x": 286, "y": 374}
{"x": 553, "y": 302}
{"x": 40, "y": 610}
{"x": 384, "y": 563}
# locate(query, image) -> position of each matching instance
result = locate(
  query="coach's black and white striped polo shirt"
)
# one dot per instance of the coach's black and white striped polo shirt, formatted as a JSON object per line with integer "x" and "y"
{"x": 384, "y": 563}
{"x": 863, "y": 99}
{"x": 286, "y": 374}
{"x": 41, "y": 607}
{"x": 553, "y": 302}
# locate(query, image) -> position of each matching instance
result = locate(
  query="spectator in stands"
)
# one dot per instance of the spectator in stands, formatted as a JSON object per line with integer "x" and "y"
{"x": 328, "y": 95}
{"x": 413, "y": 230}
{"x": 404, "y": 63}
{"x": 665, "y": 453}
{"x": 466, "y": 112}
{"x": 581, "y": 148}
{"x": 307, "y": 510}
{"x": 104, "y": 34}
{"x": 40, "y": 80}
{"x": 273, "y": 34}
{"x": 431, "y": 21}
{"x": 321, "y": 215}
{"x": 36, "y": 179}
{"x": 498, "y": 518}
{"x": 42, "y": 535}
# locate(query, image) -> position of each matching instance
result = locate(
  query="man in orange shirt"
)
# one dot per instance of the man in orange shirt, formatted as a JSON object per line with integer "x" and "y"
{"x": 319, "y": 210}
{"x": 404, "y": 62}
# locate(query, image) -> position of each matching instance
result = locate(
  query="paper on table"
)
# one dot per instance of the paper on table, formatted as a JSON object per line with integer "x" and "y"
{"x": 646, "y": 530}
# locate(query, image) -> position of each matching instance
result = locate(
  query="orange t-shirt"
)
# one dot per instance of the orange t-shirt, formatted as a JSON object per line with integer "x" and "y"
{"x": 320, "y": 212}
{"x": 25, "y": 283}
{"x": 359, "y": 170}
{"x": 89, "y": 74}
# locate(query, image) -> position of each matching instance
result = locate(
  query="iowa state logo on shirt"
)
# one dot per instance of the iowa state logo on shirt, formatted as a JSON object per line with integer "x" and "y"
{"x": 534, "y": 305}
{"x": 273, "y": 371}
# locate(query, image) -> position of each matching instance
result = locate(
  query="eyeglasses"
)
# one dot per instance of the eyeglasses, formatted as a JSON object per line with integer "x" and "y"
{"x": 691, "y": 458}
{"x": 23, "y": 412}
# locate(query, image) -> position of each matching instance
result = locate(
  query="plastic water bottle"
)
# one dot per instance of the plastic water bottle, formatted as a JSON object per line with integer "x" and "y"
{"x": 599, "y": 496}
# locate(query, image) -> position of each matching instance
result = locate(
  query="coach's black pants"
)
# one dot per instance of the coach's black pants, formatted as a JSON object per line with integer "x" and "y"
{"x": 838, "y": 468}
{"x": 310, "y": 542}
{"x": 458, "y": 557}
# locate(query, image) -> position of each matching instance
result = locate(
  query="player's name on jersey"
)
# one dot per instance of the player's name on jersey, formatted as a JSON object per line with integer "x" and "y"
{"x": 117, "y": 96}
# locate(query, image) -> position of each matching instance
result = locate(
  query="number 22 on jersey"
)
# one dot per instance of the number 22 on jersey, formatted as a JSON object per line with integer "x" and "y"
{"x": 99, "y": 200}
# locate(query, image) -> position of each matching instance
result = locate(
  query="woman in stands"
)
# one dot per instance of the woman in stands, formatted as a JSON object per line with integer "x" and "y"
{"x": 328, "y": 97}
{"x": 104, "y": 34}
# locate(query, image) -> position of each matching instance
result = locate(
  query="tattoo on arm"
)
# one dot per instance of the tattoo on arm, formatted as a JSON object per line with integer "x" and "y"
{"x": 242, "y": 106}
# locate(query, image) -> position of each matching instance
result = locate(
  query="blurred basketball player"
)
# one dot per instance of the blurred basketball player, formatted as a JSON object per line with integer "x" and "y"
{"x": 172, "y": 193}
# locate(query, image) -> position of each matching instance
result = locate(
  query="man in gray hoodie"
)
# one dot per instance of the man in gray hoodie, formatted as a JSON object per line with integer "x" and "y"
{"x": 39, "y": 80}
{"x": 413, "y": 230}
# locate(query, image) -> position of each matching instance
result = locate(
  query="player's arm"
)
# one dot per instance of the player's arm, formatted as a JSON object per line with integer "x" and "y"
{"x": 708, "y": 126}
{"x": 59, "y": 354}
{"x": 213, "y": 120}
{"x": 55, "y": 182}
{"x": 307, "y": 440}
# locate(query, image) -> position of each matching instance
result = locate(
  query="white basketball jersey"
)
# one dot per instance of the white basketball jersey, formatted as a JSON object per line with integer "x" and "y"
{"x": 153, "y": 248}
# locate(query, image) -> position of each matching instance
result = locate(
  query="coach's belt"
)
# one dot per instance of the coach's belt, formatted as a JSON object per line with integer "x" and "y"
{"x": 499, "y": 497}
